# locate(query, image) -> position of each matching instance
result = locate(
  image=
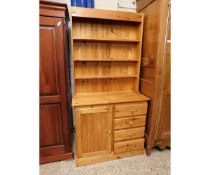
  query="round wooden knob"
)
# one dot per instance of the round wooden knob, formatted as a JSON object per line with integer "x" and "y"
{"x": 132, "y": 111}
{"x": 131, "y": 122}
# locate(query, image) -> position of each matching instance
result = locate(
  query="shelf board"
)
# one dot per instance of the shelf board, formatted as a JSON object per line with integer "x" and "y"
{"x": 106, "y": 40}
{"x": 89, "y": 13}
{"x": 107, "y": 98}
{"x": 105, "y": 76}
{"x": 128, "y": 60}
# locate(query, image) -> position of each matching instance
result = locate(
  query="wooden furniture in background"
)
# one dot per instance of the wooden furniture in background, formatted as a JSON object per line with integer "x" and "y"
{"x": 55, "y": 128}
{"x": 155, "y": 70}
{"x": 110, "y": 113}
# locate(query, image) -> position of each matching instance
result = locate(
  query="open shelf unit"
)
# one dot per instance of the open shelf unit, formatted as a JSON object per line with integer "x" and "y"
{"x": 106, "y": 51}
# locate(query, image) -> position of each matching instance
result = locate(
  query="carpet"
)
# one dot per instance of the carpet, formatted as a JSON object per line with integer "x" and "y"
{"x": 158, "y": 163}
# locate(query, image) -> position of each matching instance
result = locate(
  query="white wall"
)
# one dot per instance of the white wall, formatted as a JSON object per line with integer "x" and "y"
{"x": 106, "y": 4}
{"x": 122, "y": 5}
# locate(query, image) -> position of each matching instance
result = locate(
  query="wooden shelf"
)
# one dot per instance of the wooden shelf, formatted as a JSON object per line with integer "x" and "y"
{"x": 128, "y": 60}
{"x": 105, "y": 76}
{"x": 107, "y": 98}
{"x": 106, "y": 40}
{"x": 88, "y": 13}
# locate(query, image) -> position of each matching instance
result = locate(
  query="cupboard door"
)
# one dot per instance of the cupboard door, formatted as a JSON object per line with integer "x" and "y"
{"x": 54, "y": 119}
{"x": 94, "y": 131}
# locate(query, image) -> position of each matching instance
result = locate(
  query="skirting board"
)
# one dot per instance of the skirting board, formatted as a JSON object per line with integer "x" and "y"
{"x": 107, "y": 157}
{"x": 56, "y": 158}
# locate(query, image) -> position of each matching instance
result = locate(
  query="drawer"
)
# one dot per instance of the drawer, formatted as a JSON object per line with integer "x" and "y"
{"x": 129, "y": 122}
{"x": 125, "y": 110}
{"x": 129, "y": 145}
{"x": 129, "y": 134}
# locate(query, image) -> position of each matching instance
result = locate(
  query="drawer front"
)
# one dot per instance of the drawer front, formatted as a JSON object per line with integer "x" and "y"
{"x": 129, "y": 122}
{"x": 125, "y": 110}
{"x": 129, "y": 145}
{"x": 129, "y": 134}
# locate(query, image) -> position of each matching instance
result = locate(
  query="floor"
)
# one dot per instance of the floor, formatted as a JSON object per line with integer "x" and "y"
{"x": 156, "y": 164}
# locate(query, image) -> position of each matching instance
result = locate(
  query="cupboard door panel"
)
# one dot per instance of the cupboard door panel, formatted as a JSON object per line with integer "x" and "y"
{"x": 54, "y": 114}
{"x": 48, "y": 61}
{"x": 164, "y": 120}
{"x": 94, "y": 127}
{"x": 52, "y": 59}
{"x": 50, "y": 125}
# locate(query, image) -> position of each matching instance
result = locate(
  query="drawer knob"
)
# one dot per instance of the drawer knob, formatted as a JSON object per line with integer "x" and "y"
{"x": 110, "y": 131}
{"x": 131, "y": 123}
{"x": 130, "y": 134}
{"x": 132, "y": 111}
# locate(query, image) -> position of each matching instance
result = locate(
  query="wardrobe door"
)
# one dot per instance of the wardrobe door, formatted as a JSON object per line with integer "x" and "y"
{"x": 54, "y": 119}
{"x": 163, "y": 132}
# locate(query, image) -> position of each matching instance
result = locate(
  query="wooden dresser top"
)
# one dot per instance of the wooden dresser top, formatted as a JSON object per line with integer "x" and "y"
{"x": 107, "y": 98}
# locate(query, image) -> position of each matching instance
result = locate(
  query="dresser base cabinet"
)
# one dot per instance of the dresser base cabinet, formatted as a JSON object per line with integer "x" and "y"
{"x": 55, "y": 121}
{"x": 107, "y": 130}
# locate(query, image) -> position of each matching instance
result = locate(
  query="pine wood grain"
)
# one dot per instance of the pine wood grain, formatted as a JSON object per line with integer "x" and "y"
{"x": 107, "y": 157}
{"x": 94, "y": 126}
{"x": 127, "y": 134}
{"x": 129, "y": 122}
{"x": 105, "y": 39}
{"x": 123, "y": 110}
{"x": 128, "y": 145}
{"x": 105, "y": 14}
{"x": 107, "y": 98}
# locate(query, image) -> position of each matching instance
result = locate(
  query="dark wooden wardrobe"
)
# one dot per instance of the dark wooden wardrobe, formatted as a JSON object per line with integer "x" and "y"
{"x": 155, "y": 71}
{"x": 55, "y": 101}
